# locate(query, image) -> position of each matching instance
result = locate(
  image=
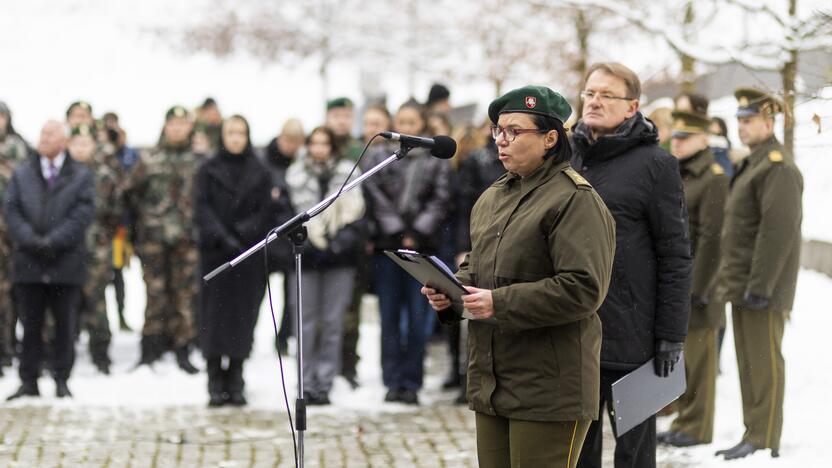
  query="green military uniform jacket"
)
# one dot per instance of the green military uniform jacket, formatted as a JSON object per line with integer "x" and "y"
{"x": 706, "y": 188}
{"x": 544, "y": 245}
{"x": 159, "y": 194}
{"x": 761, "y": 235}
{"x": 108, "y": 206}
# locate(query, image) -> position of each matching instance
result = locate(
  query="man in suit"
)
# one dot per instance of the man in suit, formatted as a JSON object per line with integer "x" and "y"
{"x": 49, "y": 205}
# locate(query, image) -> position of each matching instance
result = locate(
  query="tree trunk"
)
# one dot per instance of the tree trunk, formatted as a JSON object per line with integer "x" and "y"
{"x": 789, "y": 76}
{"x": 688, "y": 84}
{"x": 582, "y": 30}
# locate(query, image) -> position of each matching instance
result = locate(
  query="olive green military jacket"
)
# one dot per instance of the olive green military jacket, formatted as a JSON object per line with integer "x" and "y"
{"x": 706, "y": 188}
{"x": 761, "y": 235}
{"x": 159, "y": 195}
{"x": 544, "y": 245}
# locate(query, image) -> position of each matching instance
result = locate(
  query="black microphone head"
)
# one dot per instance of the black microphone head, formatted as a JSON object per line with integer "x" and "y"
{"x": 444, "y": 147}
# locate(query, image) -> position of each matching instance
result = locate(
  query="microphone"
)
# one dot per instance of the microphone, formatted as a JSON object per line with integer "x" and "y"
{"x": 441, "y": 146}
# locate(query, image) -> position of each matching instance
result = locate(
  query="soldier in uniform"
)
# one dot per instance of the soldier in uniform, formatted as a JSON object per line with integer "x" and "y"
{"x": 758, "y": 270}
{"x": 79, "y": 112}
{"x": 543, "y": 244}
{"x": 706, "y": 188}
{"x": 13, "y": 151}
{"x": 158, "y": 193}
{"x": 93, "y": 308}
{"x": 340, "y": 115}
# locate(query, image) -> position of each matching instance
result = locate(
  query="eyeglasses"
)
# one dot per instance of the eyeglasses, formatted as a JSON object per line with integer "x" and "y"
{"x": 603, "y": 97}
{"x": 509, "y": 134}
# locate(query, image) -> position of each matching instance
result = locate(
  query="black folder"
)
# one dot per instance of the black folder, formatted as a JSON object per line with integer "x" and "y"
{"x": 641, "y": 394}
{"x": 434, "y": 273}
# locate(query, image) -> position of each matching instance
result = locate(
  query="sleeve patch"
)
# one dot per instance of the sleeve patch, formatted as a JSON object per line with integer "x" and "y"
{"x": 775, "y": 156}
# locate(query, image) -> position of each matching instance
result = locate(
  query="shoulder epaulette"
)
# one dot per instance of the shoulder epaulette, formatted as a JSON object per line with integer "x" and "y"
{"x": 775, "y": 156}
{"x": 577, "y": 178}
{"x": 717, "y": 169}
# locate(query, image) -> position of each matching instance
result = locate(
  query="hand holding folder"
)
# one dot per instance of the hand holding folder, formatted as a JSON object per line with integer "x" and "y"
{"x": 434, "y": 273}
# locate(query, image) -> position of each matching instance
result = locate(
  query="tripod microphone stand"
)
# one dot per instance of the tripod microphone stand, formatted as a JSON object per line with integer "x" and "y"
{"x": 295, "y": 230}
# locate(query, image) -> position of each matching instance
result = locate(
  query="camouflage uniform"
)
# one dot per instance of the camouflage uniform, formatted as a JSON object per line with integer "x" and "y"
{"x": 158, "y": 191}
{"x": 13, "y": 151}
{"x": 108, "y": 212}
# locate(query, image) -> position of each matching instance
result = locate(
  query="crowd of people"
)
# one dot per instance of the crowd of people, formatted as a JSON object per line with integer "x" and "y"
{"x": 644, "y": 239}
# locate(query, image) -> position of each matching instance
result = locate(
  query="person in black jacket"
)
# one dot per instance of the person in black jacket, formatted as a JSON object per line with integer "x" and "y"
{"x": 407, "y": 202}
{"x": 645, "y": 313}
{"x": 277, "y": 156}
{"x": 232, "y": 211}
{"x": 49, "y": 205}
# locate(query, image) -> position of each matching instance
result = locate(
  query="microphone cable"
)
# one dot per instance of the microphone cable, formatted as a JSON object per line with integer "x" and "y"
{"x": 271, "y": 305}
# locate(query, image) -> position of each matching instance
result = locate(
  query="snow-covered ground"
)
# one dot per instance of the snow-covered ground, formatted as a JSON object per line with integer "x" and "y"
{"x": 805, "y": 441}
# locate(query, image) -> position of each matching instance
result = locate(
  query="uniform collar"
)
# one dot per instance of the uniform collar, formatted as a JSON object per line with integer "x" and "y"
{"x": 696, "y": 164}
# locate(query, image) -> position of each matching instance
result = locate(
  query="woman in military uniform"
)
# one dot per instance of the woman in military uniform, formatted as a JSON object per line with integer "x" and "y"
{"x": 542, "y": 246}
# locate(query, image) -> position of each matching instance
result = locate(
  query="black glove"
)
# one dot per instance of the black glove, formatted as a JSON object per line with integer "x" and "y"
{"x": 698, "y": 302}
{"x": 232, "y": 245}
{"x": 43, "y": 249}
{"x": 754, "y": 302}
{"x": 667, "y": 355}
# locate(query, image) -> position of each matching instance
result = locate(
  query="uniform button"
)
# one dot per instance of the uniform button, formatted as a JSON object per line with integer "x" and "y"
{"x": 583, "y": 168}
{"x": 499, "y": 233}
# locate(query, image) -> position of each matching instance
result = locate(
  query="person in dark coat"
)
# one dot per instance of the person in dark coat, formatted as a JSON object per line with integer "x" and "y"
{"x": 232, "y": 211}
{"x": 645, "y": 313}
{"x": 407, "y": 203}
{"x": 277, "y": 156}
{"x": 49, "y": 205}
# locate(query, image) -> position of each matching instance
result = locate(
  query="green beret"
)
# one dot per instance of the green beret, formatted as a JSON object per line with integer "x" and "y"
{"x": 83, "y": 130}
{"x": 82, "y": 104}
{"x": 689, "y": 123}
{"x": 532, "y": 100}
{"x": 176, "y": 111}
{"x": 752, "y": 101}
{"x": 339, "y": 102}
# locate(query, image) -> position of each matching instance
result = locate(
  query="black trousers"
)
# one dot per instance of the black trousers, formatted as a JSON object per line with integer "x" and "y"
{"x": 635, "y": 449}
{"x": 32, "y": 302}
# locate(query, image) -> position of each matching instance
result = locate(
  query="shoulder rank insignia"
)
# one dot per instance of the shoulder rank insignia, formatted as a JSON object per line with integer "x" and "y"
{"x": 775, "y": 156}
{"x": 576, "y": 178}
{"x": 717, "y": 169}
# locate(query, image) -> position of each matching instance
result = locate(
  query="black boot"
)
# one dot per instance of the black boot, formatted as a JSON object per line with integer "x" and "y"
{"x": 26, "y": 389}
{"x": 152, "y": 349}
{"x": 741, "y": 450}
{"x": 61, "y": 389}
{"x": 100, "y": 356}
{"x": 216, "y": 394}
{"x": 234, "y": 383}
{"x": 184, "y": 361}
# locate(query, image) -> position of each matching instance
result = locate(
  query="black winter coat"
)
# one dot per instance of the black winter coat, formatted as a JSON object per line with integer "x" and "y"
{"x": 61, "y": 215}
{"x": 477, "y": 173}
{"x": 649, "y": 294}
{"x": 280, "y": 250}
{"x": 408, "y": 197}
{"x": 232, "y": 211}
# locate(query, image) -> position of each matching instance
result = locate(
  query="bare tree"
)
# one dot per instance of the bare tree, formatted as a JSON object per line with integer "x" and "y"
{"x": 787, "y": 34}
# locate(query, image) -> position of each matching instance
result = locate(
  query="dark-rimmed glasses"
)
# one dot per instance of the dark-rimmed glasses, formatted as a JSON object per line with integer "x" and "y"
{"x": 510, "y": 133}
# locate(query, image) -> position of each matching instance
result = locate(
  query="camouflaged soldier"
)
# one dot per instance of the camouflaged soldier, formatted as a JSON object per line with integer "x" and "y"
{"x": 158, "y": 193}
{"x": 758, "y": 270}
{"x": 706, "y": 188}
{"x": 108, "y": 211}
{"x": 13, "y": 151}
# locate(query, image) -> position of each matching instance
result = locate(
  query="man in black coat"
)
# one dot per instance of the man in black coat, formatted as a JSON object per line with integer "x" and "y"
{"x": 49, "y": 205}
{"x": 645, "y": 313}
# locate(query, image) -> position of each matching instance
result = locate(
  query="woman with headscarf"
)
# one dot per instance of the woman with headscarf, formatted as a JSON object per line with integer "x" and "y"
{"x": 232, "y": 211}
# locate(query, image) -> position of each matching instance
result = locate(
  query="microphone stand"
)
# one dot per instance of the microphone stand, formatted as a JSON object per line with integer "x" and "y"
{"x": 295, "y": 230}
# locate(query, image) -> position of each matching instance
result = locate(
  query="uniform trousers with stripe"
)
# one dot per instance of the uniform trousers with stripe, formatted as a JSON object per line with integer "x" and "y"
{"x": 758, "y": 337}
{"x": 514, "y": 443}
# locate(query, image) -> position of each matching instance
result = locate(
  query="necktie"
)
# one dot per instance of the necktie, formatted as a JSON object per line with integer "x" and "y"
{"x": 53, "y": 174}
